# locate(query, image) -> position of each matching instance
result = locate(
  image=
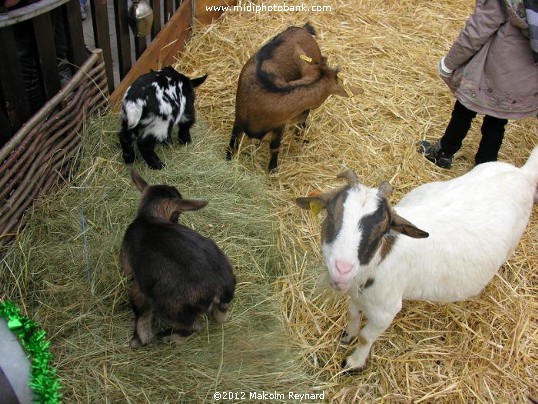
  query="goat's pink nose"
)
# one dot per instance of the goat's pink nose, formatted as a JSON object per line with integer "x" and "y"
{"x": 343, "y": 267}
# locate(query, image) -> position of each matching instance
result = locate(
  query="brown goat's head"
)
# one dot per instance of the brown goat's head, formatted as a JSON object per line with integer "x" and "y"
{"x": 163, "y": 201}
{"x": 311, "y": 71}
{"x": 337, "y": 87}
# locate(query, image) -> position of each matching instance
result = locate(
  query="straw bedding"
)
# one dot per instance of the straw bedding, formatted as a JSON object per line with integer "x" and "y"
{"x": 285, "y": 325}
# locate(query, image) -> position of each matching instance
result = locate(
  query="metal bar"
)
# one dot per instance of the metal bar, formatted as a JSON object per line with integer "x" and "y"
{"x": 123, "y": 37}
{"x": 46, "y": 50}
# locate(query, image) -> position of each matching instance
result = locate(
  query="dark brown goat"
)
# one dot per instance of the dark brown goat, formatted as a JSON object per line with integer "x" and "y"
{"x": 285, "y": 79}
{"x": 178, "y": 274}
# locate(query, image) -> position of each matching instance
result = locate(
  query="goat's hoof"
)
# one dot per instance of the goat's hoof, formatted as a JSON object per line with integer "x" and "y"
{"x": 352, "y": 370}
{"x": 171, "y": 338}
{"x": 156, "y": 165}
{"x": 228, "y": 156}
{"x": 135, "y": 343}
{"x": 184, "y": 141}
{"x": 129, "y": 159}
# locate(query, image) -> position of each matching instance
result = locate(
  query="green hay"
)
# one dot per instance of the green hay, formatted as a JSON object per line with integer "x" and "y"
{"x": 71, "y": 283}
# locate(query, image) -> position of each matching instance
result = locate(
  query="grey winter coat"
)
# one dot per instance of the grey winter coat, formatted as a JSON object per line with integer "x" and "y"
{"x": 494, "y": 71}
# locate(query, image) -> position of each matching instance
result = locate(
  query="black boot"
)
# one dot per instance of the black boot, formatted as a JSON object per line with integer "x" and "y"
{"x": 434, "y": 153}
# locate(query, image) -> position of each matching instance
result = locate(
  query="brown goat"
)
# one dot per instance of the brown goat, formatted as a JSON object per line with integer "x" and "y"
{"x": 285, "y": 79}
{"x": 179, "y": 275}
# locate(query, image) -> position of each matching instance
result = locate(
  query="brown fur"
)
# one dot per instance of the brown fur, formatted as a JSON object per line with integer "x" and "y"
{"x": 178, "y": 274}
{"x": 297, "y": 87}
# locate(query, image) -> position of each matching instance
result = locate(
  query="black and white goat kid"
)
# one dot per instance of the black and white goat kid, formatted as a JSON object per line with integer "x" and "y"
{"x": 155, "y": 103}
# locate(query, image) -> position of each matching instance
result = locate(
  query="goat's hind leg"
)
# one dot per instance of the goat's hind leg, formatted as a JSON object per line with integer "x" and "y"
{"x": 126, "y": 141}
{"x": 219, "y": 310}
{"x": 237, "y": 131}
{"x": 274, "y": 146}
{"x": 185, "y": 124}
{"x": 146, "y": 145}
{"x": 184, "y": 322}
{"x": 143, "y": 312}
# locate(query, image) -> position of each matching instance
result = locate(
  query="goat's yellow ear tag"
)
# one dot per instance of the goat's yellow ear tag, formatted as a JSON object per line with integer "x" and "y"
{"x": 306, "y": 58}
{"x": 315, "y": 206}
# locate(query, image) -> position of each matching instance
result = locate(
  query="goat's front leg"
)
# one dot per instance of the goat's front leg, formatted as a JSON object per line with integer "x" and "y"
{"x": 301, "y": 124}
{"x": 379, "y": 319}
{"x": 276, "y": 138}
{"x": 352, "y": 328}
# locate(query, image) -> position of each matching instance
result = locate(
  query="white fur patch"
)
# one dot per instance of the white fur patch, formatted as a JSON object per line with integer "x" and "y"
{"x": 156, "y": 126}
{"x": 359, "y": 203}
{"x": 132, "y": 111}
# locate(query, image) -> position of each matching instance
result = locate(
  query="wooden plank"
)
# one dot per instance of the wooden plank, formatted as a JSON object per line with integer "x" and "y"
{"x": 75, "y": 36}
{"x": 46, "y": 50}
{"x": 102, "y": 37}
{"x": 17, "y": 106}
{"x": 203, "y": 15}
{"x": 123, "y": 37}
{"x": 162, "y": 50}
{"x": 28, "y": 12}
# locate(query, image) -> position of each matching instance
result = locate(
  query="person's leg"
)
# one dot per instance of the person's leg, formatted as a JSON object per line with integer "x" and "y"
{"x": 442, "y": 151}
{"x": 457, "y": 128}
{"x": 492, "y": 138}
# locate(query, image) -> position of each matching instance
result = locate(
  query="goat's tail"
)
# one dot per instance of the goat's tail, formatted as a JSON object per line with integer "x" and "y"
{"x": 530, "y": 168}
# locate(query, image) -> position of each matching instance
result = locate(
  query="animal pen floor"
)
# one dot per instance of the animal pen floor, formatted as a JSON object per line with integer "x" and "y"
{"x": 284, "y": 327}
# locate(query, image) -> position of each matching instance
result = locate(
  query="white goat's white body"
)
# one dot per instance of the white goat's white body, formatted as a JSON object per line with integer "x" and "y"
{"x": 474, "y": 223}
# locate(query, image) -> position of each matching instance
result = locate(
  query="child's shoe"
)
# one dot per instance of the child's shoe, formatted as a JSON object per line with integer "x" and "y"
{"x": 434, "y": 153}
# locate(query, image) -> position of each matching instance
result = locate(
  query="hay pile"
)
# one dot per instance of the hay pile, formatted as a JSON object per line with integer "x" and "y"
{"x": 69, "y": 280}
{"x": 284, "y": 330}
{"x": 483, "y": 350}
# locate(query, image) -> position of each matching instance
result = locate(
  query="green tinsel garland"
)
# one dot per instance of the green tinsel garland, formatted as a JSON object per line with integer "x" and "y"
{"x": 44, "y": 379}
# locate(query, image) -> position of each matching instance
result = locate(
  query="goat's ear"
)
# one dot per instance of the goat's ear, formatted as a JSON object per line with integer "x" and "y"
{"x": 312, "y": 203}
{"x": 403, "y": 226}
{"x": 347, "y": 91}
{"x": 185, "y": 205}
{"x": 384, "y": 190}
{"x": 198, "y": 81}
{"x": 140, "y": 182}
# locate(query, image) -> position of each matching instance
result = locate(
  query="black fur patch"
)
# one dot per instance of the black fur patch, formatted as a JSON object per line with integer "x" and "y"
{"x": 374, "y": 227}
{"x": 310, "y": 28}
{"x": 333, "y": 221}
{"x": 267, "y": 79}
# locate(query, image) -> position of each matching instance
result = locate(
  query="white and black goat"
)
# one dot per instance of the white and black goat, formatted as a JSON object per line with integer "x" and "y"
{"x": 179, "y": 274}
{"x": 284, "y": 80}
{"x": 444, "y": 241}
{"x": 153, "y": 105}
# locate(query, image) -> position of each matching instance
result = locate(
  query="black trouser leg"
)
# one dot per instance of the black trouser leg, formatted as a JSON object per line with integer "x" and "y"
{"x": 492, "y": 138}
{"x": 457, "y": 128}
